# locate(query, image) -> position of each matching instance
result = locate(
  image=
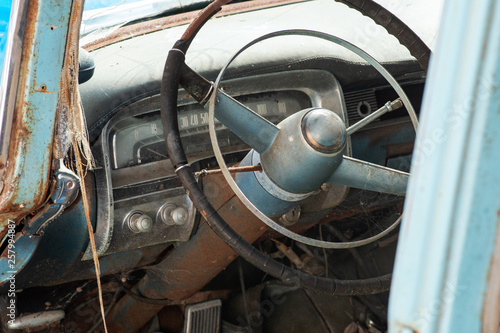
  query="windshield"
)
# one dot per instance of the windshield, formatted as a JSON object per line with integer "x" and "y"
{"x": 102, "y": 17}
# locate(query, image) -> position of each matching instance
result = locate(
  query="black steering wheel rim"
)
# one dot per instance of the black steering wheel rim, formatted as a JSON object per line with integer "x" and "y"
{"x": 170, "y": 84}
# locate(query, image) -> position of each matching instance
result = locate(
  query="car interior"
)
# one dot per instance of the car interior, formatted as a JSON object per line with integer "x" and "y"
{"x": 178, "y": 249}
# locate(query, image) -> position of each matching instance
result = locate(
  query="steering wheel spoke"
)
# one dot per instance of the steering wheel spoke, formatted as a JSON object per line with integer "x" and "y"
{"x": 254, "y": 130}
{"x": 368, "y": 176}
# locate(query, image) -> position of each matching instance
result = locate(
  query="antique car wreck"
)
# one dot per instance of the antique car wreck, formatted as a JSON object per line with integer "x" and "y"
{"x": 198, "y": 166}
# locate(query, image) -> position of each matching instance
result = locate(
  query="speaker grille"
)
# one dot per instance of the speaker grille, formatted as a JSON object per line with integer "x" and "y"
{"x": 359, "y": 104}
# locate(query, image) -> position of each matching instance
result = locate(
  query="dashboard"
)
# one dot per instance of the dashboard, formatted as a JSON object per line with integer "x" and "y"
{"x": 144, "y": 194}
{"x": 144, "y": 204}
{"x": 140, "y": 208}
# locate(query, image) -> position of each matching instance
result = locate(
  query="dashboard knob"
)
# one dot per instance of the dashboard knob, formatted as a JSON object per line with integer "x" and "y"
{"x": 170, "y": 214}
{"x": 179, "y": 215}
{"x": 139, "y": 222}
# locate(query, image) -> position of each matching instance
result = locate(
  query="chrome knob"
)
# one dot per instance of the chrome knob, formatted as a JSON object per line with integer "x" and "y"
{"x": 139, "y": 222}
{"x": 170, "y": 214}
{"x": 179, "y": 215}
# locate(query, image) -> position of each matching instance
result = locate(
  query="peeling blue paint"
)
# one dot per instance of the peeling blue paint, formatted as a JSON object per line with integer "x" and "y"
{"x": 450, "y": 224}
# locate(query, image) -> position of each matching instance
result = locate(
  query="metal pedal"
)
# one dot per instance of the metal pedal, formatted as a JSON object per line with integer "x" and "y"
{"x": 203, "y": 317}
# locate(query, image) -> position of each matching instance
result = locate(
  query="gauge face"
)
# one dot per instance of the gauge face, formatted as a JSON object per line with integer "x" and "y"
{"x": 139, "y": 139}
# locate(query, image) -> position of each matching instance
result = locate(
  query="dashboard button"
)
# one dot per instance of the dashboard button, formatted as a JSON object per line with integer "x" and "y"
{"x": 139, "y": 222}
{"x": 170, "y": 214}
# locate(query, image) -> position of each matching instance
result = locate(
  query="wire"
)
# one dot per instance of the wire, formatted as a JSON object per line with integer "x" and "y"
{"x": 324, "y": 251}
{"x": 243, "y": 293}
{"x": 110, "y": 306}
{"x": 141, "y": 298}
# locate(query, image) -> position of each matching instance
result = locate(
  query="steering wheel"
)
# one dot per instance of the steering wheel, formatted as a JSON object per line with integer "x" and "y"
{"x": 323, "y": 141}
{"x": 316, "y": 137}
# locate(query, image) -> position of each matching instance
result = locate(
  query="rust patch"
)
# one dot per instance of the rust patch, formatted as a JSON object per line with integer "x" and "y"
{"x": 204, "y": 296}
{"x": 171, "y": 319}
{"x": 42, "y": 89}
{"x": 196, "y": 263}
{"x": 8, "y": 208}
{"x": 491, "y": 305}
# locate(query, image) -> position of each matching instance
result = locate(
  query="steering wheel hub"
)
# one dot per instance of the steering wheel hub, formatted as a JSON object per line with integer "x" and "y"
{"x": 324, "y": 131}
{"x": 306, "y": 151}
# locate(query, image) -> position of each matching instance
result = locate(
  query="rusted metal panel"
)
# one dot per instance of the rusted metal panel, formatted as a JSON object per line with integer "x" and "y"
{"x": 28, "y": 167}
{"x": 196, "y": 263}
{"x": 9, "y": 85}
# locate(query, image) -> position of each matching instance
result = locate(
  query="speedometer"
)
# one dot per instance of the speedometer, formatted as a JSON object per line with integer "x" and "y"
{"x": 139, "y": 139}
